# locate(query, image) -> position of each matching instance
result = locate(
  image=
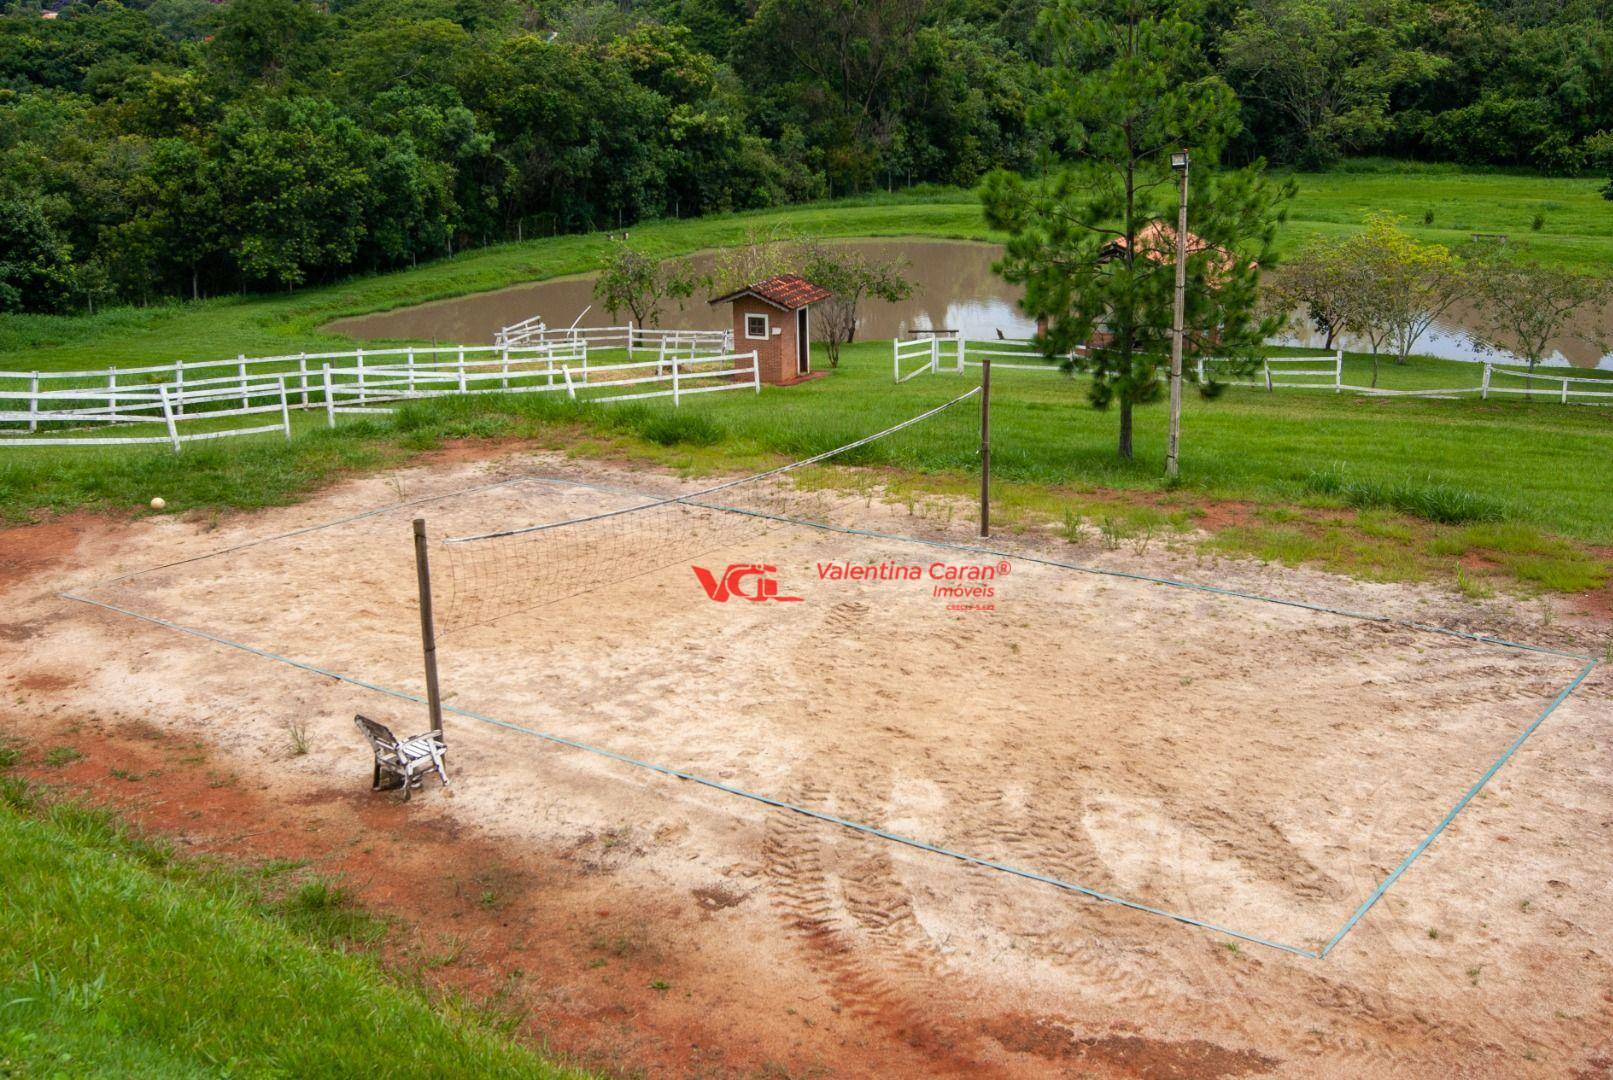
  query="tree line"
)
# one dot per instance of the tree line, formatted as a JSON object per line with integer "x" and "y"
{"x": 180, "y": 148}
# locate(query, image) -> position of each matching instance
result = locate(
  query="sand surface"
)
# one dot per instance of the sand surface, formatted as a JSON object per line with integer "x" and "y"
{"x": 1256, "y": 766}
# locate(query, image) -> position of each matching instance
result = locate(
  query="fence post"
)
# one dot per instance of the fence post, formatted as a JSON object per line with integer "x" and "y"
{"x": 168, "y": 417}
{"x": 33, "y": 402}
{"x": 896, "y": 359}
{"x": 963, "y": 349}
{"x": 179, "y": 384}
{"x": 302, "y": 372}
{"x": 285, "y": 408}
{"x": 462, "y": 368}
{"x": 583, "y": 345}
{"x": 935, "y": 353}
{"x": 408, "y": 359}
{"x": 112, "y": 397}
{"x": 1565, "y": 391}
{"x": 1338, "y": 372}
{"x": 1267, "y": 365}
{"x": 571, "y": 390}
{"x": 330, "y": 399}
{"x": 246, "y": 400}
{"x": 675, "y": 380}
{"x": 755, "y": 371}
{"x": 1484, "y": 387}
{"x": 504, "y": 371}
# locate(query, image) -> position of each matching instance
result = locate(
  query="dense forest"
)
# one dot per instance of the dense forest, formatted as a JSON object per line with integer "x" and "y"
{"x": 181, "y": 148}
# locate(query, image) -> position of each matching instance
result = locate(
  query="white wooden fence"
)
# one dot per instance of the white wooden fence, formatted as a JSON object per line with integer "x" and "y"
{"x": 42, "y": 414}
{"x": 1281, "y": 371}
{"x": 932, "y": 353}
{"x": 665, "y": 343}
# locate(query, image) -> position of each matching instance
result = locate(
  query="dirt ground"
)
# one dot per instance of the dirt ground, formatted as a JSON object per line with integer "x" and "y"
{"x": 1256, "y": 766}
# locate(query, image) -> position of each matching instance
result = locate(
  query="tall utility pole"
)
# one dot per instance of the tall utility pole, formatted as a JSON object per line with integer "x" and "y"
{"x": 1179, "y": 162}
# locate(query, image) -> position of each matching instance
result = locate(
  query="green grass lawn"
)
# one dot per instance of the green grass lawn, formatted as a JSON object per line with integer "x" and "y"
{"x": 117, "y": 959}
{"x": 1436, "y": 468}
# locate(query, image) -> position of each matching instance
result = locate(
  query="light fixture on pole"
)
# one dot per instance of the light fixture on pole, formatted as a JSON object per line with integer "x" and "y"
{"x": 1179, "y": 163}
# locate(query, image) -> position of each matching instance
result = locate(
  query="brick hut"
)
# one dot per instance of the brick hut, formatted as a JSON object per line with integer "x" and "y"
{"x": 771, "y": 317}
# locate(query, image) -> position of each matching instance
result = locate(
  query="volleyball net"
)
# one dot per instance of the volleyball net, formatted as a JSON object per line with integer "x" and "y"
{"x": 489, "y": 576}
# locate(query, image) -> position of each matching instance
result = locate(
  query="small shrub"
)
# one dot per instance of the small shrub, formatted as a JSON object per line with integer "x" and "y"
{"x": 1538, "y": 222}
{"x": 682, "y": 429}
{"x": 1430, "y": 500}
{"x": 58, "y": 756}
{"x": 297, "y": 733}
{"x": 1428, "y": 216}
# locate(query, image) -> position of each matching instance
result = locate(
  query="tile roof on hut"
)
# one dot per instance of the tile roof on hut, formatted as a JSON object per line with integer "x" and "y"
{"x": 1156, "y": 242}
{"x": 787, "y": 291}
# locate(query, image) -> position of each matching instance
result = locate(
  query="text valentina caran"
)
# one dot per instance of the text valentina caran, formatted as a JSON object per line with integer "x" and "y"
{"x": 895, "y": 571}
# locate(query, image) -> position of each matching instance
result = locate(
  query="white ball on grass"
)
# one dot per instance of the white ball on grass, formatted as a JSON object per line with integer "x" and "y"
{"x": 158, "y": 503}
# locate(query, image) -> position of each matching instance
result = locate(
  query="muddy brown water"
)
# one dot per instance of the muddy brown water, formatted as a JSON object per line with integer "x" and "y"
{"x": 954, "y": 288}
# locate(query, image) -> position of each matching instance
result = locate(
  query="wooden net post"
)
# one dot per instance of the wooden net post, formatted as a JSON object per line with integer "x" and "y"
{"x": 985, "y": 446}
{"x": 428, "y": 633}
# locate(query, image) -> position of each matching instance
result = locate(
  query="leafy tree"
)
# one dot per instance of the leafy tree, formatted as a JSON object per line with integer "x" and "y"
{"x": 852, "y": 276}
{"x": 271, "y": 41}
{"x": 640, "y": 284}
{"x": 1314, "y": 280}
{"x": 1397, "y": 287}
{"x": 1093, "y": 244}
{"x": 1318, "y": 76}
{"x": 1527, "y": 306}
{"x": 297, "y": 176}
{"x": 36, "y": 266}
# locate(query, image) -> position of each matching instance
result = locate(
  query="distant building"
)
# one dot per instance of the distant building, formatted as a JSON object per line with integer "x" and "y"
{"x": 771, "y": 317}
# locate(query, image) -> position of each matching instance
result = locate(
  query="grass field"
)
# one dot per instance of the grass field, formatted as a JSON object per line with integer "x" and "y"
{"x": 1377, "y": 487}
{"x": 1383, "y": 488}
{"x": 118, "y": 959}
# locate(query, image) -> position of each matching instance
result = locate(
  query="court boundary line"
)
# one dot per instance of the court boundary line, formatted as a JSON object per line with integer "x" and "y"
{"x": 1097, "y": 895}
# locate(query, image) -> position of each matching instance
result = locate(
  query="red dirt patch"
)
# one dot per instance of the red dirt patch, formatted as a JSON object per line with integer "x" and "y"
{"x": 1133, "y": 1055}
{"x": 615, "y": 977}
{"x": 28, "y": 549}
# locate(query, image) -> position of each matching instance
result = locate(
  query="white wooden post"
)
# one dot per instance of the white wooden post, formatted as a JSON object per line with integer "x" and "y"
{"x": 571, "y": 390}
{"x": 675, "y": 367}
{"x": 1484, "y": 387}
{"x": 33, "y": 402}
{"x": 504, "y": 372}
{"x": 330, "y": 399}
{"x": 168, "y": 417}
{"x": 935, "y": 353}
{"x": 179, "y": 385}
{"x": 1338, "y": 372}
{"x": 1565, "y": 391}
{"x": 462, "y": 368}
{"x": 112, "y": 397}
{"x": 1267, "y": 365}
{"x": 246, "y": 401}
{"x": 896, "y": 359}
{"x": 302, "y": 374}
{"x": 409, "y": 376}
{"x": 584, "y": 346}
{"x": 755, "y": 371}
{"x": 1201, "y": 369}
{"x": 285, "y": 408}
{"x": 963, "y": 349}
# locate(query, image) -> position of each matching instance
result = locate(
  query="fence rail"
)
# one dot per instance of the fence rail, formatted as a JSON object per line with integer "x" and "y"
{"x": 360, "y": 381}
{"x": 932, "y": 352}
{"x": 632, "y": 338}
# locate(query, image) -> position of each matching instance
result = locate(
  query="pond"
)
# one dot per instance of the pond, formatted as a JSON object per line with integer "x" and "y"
{"x": 953, "y": 289}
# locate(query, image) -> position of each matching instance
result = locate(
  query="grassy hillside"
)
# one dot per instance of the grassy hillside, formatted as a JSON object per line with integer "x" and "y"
{"x": 118, "y": 960}
{"x": 1578, "y": 231}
